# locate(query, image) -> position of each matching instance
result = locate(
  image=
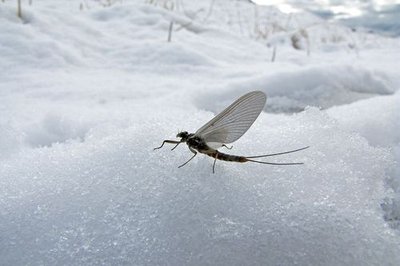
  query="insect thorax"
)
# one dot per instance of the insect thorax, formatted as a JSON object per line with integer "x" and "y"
{"x": 197, "y": 143}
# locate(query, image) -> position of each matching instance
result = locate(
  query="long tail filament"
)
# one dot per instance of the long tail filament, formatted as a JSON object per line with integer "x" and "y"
{"x": 249, "y": 158}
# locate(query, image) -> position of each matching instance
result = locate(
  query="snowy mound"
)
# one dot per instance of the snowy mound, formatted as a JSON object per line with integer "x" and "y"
{"x": 323, "y": 87}
{"x": 87, "y": 91}
{"x": 120, "y": 198}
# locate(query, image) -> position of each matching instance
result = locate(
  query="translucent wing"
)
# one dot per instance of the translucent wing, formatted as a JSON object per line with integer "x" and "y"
{"x": 234, "y": 121}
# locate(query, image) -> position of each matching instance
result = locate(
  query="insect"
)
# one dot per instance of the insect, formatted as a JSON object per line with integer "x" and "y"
{"x": 227, "y": 127}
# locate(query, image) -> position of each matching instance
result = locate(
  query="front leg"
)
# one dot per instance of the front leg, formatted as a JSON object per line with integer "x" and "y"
{"x": 168, "y": 141}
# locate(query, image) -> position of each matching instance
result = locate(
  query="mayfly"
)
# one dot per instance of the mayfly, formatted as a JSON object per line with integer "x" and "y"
{"x": 227, "y": 127}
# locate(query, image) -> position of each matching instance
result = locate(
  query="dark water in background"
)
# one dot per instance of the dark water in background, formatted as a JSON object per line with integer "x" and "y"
{"x": 385, "y": 20}
{"x": 379, "y": 16}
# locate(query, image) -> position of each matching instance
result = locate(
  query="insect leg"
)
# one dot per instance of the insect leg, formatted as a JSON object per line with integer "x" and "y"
{"x": 175, "y": 146}
{"x": 195, "y": 153}
{"x": 168, "y": 141}
{"x": 229, "y": 148}
{"x": 215, "y": 160}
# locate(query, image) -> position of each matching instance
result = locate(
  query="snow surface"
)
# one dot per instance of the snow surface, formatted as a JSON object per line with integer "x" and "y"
{"x": 87, "y": 91}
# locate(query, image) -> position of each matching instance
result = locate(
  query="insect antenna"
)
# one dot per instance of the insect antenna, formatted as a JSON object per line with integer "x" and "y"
{"x": 279, "y": 153}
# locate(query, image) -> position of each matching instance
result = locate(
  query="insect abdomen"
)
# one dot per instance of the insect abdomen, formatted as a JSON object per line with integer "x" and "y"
{"x": 227, "y": 157}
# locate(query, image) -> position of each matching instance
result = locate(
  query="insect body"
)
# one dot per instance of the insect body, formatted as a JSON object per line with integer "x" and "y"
{"x": 227, "y": 127}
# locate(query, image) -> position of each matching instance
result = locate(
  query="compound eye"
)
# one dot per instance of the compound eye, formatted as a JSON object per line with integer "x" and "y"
{"x": 182, "y": 134}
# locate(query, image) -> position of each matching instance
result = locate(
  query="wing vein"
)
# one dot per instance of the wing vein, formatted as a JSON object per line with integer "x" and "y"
{"x": 229, "y": 125}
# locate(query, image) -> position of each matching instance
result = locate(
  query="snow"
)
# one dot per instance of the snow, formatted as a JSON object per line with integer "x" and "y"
{"x": 87, "y": 93}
